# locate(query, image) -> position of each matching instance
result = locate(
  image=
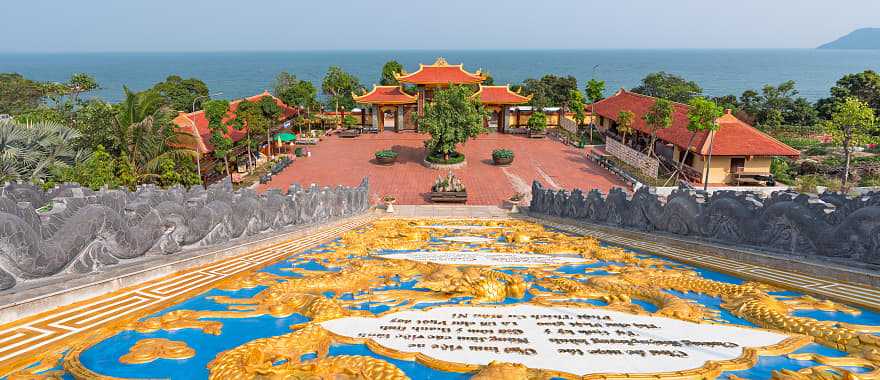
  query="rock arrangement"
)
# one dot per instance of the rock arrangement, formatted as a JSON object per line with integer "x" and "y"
{"x": 71, "y": 229}
{"x": 831, "y": 225}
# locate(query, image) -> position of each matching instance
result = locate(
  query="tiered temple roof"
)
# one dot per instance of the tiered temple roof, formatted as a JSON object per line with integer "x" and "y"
{"x": 196, "y": 124}
{"x": 386, "y": 95}
{"x": 734, "y": 138}
{"x": 441, "y": 73}
{"x": 500, "y": 95}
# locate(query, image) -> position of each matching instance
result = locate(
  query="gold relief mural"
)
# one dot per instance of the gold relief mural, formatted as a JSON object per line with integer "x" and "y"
{"x": 362, "y": 276}
{"x": 147, "y": 350}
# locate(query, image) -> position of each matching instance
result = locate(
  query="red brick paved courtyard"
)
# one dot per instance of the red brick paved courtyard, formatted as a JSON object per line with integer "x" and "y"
{"x": 341, "y": 161}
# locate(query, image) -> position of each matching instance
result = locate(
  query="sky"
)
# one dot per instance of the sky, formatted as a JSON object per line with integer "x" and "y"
{"x": 236, "y": 25}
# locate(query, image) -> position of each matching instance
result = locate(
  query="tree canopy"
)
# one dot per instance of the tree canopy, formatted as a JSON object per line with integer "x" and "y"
{"x": 550, "y": 90}
{"x": 668, "y": 86}
{"x": 659, "y": 117}
{"x": 624, "y": 123}
{"x": 296, "y": 92}
{"x": 388, "y": 71}
{"x": 451, "y": 118}
{"x": 851, "y": 124}
{"x": 179, "y": 94}
{"x": 19, "y": 95}
{"x": 338, "y": 86}
{"x": 595, "y": 90}
{"x": 864, "y": 86}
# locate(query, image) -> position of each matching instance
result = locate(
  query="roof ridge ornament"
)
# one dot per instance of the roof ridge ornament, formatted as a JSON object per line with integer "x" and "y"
{"x": 441, "y": 62}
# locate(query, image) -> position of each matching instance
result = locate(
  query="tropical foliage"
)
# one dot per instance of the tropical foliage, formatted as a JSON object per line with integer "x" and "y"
{"x": 851, "y": 124}
{"x": 537, "y": 121}
{"x": 339, "y": 86}
{"x": 30, "y": 152}
{"x": 668, "y": 86}
{"x": 389, "y": 70}
{"x": 624, "y": 123}
{"x": 659, "y": 117}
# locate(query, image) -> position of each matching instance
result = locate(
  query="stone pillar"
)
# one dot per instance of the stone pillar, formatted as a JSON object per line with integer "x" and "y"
{"x": 505, "y": 112}
{"x": 398, "y": 122}
{"x": 363, "y": 116}
{"x": 376, "y": 113}
{"x": 421, "y": 101}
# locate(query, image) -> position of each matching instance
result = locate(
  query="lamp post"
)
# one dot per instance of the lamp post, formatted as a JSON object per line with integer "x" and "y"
{"x": 199, "y": 154}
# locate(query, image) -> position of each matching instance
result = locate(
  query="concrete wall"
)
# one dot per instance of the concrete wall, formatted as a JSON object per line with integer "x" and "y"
{"x": 830, "y": 226}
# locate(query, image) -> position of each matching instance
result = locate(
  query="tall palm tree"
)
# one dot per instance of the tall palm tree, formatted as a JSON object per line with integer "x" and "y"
{"x": 144, "y": 137}
{"x": 29, "y": 152}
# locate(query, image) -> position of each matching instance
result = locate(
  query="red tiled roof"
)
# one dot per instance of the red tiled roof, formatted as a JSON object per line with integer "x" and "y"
{"x": 734, "y": 138}
{"x": 386, "y": 95}
{"x": 441, "y": 73}
{"x": 500, "y": 95}
{"x": 196, "y": 124}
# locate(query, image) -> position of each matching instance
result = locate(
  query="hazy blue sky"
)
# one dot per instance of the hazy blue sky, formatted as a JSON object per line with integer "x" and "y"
{"x": 200, "y": 25}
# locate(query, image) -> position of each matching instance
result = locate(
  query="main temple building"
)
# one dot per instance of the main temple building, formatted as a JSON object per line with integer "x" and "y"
{"x": 397, "y": 104}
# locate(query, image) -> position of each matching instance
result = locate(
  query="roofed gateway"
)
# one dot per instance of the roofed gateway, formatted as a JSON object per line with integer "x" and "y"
{"x": 398, "y": 103}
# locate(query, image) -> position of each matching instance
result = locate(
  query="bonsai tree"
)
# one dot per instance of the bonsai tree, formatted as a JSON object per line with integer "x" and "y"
{"x": 537, "y": 121}
{"x": 451, "y": 118}
{"x": 624, "y": 123}
{"x": 658, "y": 117}
{"x": 851, "y": 124}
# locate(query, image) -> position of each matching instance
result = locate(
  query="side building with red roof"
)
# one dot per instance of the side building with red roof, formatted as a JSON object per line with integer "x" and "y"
{"x": 194, "y": 126}
{"x": 740, "y": 154}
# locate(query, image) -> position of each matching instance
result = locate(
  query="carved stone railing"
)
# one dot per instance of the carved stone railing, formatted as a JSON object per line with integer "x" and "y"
{"x": 74, "y": 230}
{"x": 832, "y": 225}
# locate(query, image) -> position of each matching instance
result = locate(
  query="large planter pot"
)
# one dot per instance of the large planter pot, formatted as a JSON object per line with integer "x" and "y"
{"x": 502, "y": 161}
{"x": 385, "y": 160}
{"x": 448, "y": 196}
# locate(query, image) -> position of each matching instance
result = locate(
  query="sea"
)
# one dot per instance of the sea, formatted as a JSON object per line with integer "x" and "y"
{"x": 240, "y": 74}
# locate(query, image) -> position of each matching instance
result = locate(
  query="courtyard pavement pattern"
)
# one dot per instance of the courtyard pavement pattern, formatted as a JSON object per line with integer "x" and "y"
{"x": 346, "y": 161}
{"x": 26, "y": 339}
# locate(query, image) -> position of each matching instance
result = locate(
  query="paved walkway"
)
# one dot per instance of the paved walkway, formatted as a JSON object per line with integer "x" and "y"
{"x": 341, "y": 161}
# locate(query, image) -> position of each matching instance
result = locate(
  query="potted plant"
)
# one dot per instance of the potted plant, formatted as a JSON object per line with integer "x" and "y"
{"x": 448, "y": 189}
{"x": 299, "y": 152}
{"x": 386, "y": 157}
{"x": 389, "y": 203}
{"x": 502, "y": 156}
{"x": 537, "y": 124}
{"x": 515, "y": 200}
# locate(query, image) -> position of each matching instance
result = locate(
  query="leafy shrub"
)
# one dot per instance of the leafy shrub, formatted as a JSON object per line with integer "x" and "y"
{"x": 800, "y": 143}
{"x": 502, "y": 154}
{"x": 538, "y": 121}
{"x": 299, "y": 152}
{"x": 870, "y": 181}
{"x": 387, "y": 153}
{"x": 816, "y": 151}
{"x": 437, "y": 158}
{"x": 808, "y": 183}
{"x": 781, "y": 170}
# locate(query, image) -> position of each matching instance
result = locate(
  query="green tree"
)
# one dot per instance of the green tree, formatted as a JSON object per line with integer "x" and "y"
{"x": 296, "y": 92}
{"x": 668, "y": 86}
{"x": 659, "y": 117}
{"x": 550, "y": 90}
{"x": 97, "y": 171}
{"x": 389, "y": 70}
{"x": 537, "y": 121}
{"x": 339, "y": 86}
{"x": 143, "y": 135}
{"x": 215, "y": 112}
{"x": 249, "y": 117}
{"x": 80, "y": 83}
{"x": 624, "y": 123}
{"x": 451, "y": 118}
{"x": 595, "y": 90}
{"x": 851, "y": 124}
{"x": 702, "y": 117}
{"x": 864, "y": 86}
{"x": 179, "y": 94}
{"x": 576, "y": 104}
{"x": 19, "y": 95}
{"x": 95, "y": 124}
{"x": 271, "y": 113}
{"x": 33, "y": 152}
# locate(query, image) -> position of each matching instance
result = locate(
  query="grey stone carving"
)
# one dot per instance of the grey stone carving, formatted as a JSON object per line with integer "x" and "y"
{"x": 71, "y": 229}
{"x": 831, "y": 225}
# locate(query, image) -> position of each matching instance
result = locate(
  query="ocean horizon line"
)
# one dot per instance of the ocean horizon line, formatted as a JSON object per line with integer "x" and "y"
{"x": 413, "y": 50}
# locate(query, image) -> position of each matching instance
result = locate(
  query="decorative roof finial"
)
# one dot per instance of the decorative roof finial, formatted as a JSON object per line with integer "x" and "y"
{"x": 441, "y": 62}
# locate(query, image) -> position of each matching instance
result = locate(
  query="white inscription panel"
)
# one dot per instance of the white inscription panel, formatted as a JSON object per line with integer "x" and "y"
{"x": 485, "y": 258}
{"x": 466, "y": 239}
{"x": 573, "y": 340}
